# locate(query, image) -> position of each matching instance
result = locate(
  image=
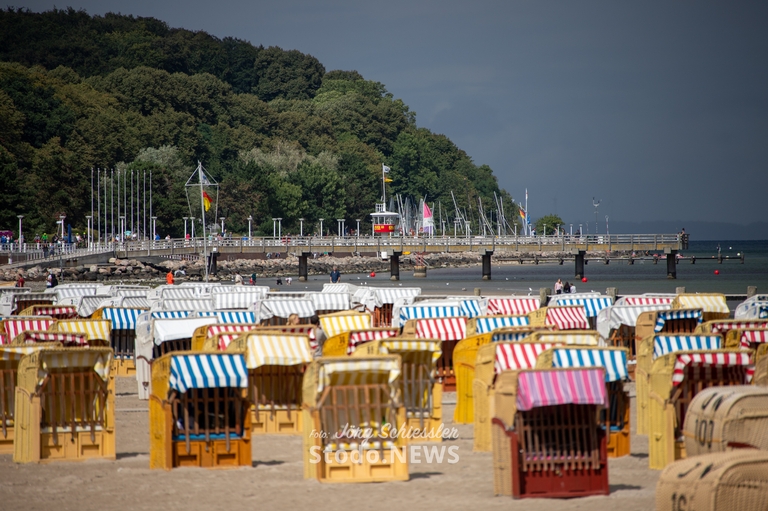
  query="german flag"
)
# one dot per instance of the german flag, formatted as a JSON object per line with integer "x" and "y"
{"x": 206, "y": 201}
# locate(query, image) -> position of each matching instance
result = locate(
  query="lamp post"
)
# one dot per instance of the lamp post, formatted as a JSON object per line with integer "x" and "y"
{"x": 154, "y": 227}
{"x": 545, "y": 230}
{"x": 90, "y": 238}
{"x": 122, "y": 228}
{"x": 185, "y": 226}
{"x": 192, "y": 226}
{"x": 607, "y": 232}
{"x": 222, "y": 224}
{"x": 321, "y": 226}
{"x": 340, "y": 226}
{"x": 274, "y": 227}
{"x": 579, "y": 230}
{"x": 571, "y": 229}
{"x": 595, "y": 203}
{"x": 62, "y": 217}
{"x": 21, "y": 234}
{"x": 456, "y": 223}
{"x": 301, "y": 227}
{"x": 250, "y": 219}
{"x": 279, "y": 227}
{"x": 357, "y": 231}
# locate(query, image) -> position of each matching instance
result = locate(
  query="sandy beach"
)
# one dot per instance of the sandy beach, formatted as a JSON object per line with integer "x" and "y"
{"x": 275, "y": 479}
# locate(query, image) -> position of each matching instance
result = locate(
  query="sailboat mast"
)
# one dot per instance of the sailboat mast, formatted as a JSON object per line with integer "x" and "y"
{"x": 202, "y": 204}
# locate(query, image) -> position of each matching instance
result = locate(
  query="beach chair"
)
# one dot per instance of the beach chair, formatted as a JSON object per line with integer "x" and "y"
{"x": 10, "y": 328}
{"x": 649, "y": 350}
{"x": 723, "y": 326}
{"x": 548, "y": 440}
{"x": 571, "y": 317}
{"x": 123, "y": 336}
{"x": 761, "y": 365}
{"x": 450, "y": 330}
{"x": 93, "y": 329}
{"x": 515, "y": 305}
{"x": 492, "y": 360}
{"x": 65, "y": 405}
{"x": 487, "y": 324}
{"x": 63, "y": 339}
{"x": 275, "y": 312}
{"x": 276, "y": 363}
{"x": 710, "y": 482}
{"x": 726, "y": 418}
{"x": 675, "y": 380}
{"x": 10, "y": 356}
{"x": 22, "y": 301}
{"x": 421, "y": 394}
{"x": 614, "y": 361}
{"x": 384, "y": 301}
{"x": 345, "y": 321}
{"x": 713, "y": 305}
{"x": 199, "y": 413}
{"x": 679, "y": 321}
{"x": 464, "y": 357}
{"x": 345, "y": 343}
{"x": 53, "y": 311}
{"x": 204, "y": 332}
{"x": 351, "y": 408}
{"x": 746, "y": 338}
{"x": 592, "y": 305}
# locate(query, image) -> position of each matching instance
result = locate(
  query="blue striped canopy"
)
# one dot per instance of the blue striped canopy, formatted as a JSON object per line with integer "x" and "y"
{"x": 509, "y": 336}
{"x": 470, "y": 308}
{"x": 664, "y": 344}
{"x": 230, "y": 316}
{"x": 122, "y": 319}
{"x": 484, "y": 324}
{"x": 614, "y": 361}
{"x": 208, "y": 371}
{"x": 170, "y": 314}
{"x": 428, "y": 311}
{"x": 664, "y": 316}
{"x": 592, "y": 305}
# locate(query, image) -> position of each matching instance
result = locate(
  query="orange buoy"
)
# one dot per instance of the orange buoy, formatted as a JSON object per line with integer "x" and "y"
{"x": 584, "y": 279}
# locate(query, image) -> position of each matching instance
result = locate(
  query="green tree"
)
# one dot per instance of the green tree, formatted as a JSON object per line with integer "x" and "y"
{"x": 551, "y": 222}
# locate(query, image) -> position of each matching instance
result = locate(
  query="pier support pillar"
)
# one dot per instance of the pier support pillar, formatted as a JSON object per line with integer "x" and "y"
{"x": 751, "y": 291}
{"x": 487, "y": 264}
{"x": 394, "y": 266}
{"x": 544, "y": 294}
{"x": 580, "y": 263}
{"x": 672, "y": 264}
{"x": 212, "y": 267}
{"x": 303, "y": 266}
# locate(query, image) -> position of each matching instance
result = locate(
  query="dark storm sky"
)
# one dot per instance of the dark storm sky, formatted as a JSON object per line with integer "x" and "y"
{"x": 657, "y": 108}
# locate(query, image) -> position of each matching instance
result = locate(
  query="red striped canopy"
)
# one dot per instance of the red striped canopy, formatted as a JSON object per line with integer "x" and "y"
{"x": 724, "y": 326}
{"x": 445, "y": 329}
{"x": 56, "y": 311}
{"x": 518, "y": 355}
{"x": 749, "y": 337}
{"x": 512, "y": 306}
{"x": 65, "y": 338}
{"x": 643, "y": 300}
{"x": 567, "y": 318}
{"x": 707, "y": 366}
{"x": 362, "y": 336}
{"x": 14, "y": 327}
{"x": 542, "y": 387}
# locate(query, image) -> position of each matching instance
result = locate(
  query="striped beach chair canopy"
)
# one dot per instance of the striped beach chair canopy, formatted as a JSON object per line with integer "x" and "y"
{"x": 357, "y": 337}
{"x": 15, "y": 353}
{"x": 122, "y": 318}
{"x": 222, "y": 289}
{"x": 34, "y": 337}
{"x": 135, "y": 302}
{"x": 236, "y": 316}
{"x": 90, "y": 304}
{"x": 515, "y": 305}
{"x": 186, "y": 304}
{"x": 665, "y": 299}
{"x": 707, "y": 302}
{"x": 424, "y": 311}
{"x": 471, "y": 308}
{"x": 169, "y": 314}
{"x": 753, "y": 336}
{"x": 12, "y": 327}
{"x": 288, "y": 295}
{"x": 335, "y": 324}
{"x": 138, "y": 291}
{"x": 721, "y": 327}
{"x": 485, "y": 324}
{"x": 548, "y": 387}
{"x": 614, "y": 360}
{"x": 445, "y": 329}
{"x": 357, "y": 371}
{"x": 100, "y": 359}
{"x": 707, "y": 366}
{"x": 276, "y": 350}
{"x": 181, "y": 292}
{"x": 327, "y": 301}
{"x": 592, "y": 304}
{"x": 172, "y": 329}
{"x": 664, "y": 344}
{"x": 510, "y": 334}
{"x": 207, "y": 371}
{"x": 586, "y": 337}
{"x": 567, "y": 318}
{"x": 54, "y": 311}
{"x": 671, "y": 315}
{"x": 393, "y": 346}
{"x": 92, "y": 328}
{"x": 221, "y": 328}
{"x": 613, "y": 317}
{"x": 513, "y": 356}
{"x": 237, "y": 299}
{"x": 385, "y": 295}
{"x": 269, "y": 308}
{"x": 76, "y": 290}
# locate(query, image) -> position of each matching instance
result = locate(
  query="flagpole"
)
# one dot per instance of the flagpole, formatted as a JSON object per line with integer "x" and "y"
{"x": 527, "y": 215}
{"x": 202, "y": 203}
{"x": 383, "y": 187}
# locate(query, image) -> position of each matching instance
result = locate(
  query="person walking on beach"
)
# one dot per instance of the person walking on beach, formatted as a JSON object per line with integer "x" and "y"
{"x": 566, "y": 287}
{"x": 335, "y": 275}
{"x": 20, "y": 281}
{"x": 169, "y": 278}
{"x": 253, "y": 279}
{"x": 238, "y": 279}
{"x": 559, "y": 287}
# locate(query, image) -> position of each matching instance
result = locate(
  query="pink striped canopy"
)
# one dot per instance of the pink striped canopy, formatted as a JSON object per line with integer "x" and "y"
{"x": 14, "y": 327}
{"x": 445, "y": 329}
{"x": 707, "y": 366}
{"x": 567, "y": 318}
{"x": 722, "y": 327}
{"x": 547, "y": 387}
{"x": 362, "y": 336}
{"x": 643, "y": 300}
{"x": 523, "y": 355}
{"x": 512, "y": 306}
{"x": 31, "y": 336}
{"x": 56, "y": 311}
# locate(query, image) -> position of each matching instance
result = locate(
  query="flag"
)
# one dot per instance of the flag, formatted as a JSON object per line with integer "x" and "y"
{"x": 203, "y": 179}
{"x": 206, "y": 201}
{"x": 522, "y": 215}
{"x": 385, "y": 168}
{"x": 428, "y": 221}
{"x": 387, "y": 180}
